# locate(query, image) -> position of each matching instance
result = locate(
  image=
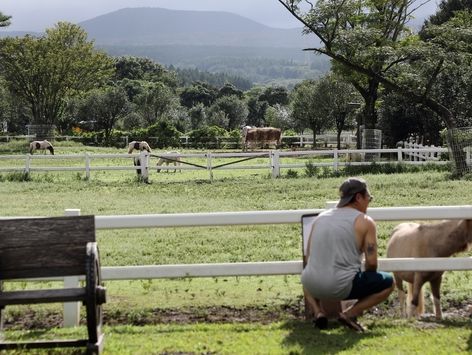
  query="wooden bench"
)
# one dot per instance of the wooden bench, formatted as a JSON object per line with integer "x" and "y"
{"x": 50, "y": 248}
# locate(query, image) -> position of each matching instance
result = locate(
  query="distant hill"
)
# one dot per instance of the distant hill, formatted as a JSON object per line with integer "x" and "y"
{"x": 19, "y": 34}
{"x": 156, "y": 26}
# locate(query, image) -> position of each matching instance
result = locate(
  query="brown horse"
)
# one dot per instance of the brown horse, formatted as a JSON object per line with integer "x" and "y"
{"x": 422, "y": 241}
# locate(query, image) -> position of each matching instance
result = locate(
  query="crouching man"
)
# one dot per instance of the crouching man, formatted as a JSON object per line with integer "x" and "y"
{"x": 338, "y": 239}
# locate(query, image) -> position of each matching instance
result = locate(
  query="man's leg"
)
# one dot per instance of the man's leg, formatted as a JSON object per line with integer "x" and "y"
{"x": 367, "y": 302}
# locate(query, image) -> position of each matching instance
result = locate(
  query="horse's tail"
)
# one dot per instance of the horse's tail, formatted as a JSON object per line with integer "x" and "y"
{"x": 409, "y": 297}
{"x": 31, "y": 148}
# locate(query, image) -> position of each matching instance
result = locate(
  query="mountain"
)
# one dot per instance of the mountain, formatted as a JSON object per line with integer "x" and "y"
{"x": 156, "y": 26}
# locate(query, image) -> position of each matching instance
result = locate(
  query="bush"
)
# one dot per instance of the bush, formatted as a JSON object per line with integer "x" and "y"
{"x": 166, "y": 133}
{"x": 206, "y": 137}
{"x": 311, "y": 170}
{"x": 291, "y": 174}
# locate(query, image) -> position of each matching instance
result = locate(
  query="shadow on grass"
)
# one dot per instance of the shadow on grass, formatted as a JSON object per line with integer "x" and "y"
{"x": 335, "y": 339}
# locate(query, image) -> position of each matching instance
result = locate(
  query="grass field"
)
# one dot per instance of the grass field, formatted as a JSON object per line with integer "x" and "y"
{"x": 277, "y": 297}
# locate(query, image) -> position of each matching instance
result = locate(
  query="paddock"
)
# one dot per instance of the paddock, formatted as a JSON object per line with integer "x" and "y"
{"x": 276, "y": 162}
{"x": 262, "y": 268}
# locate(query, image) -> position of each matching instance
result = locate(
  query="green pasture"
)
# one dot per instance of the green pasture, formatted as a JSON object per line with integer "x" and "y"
{"x": 135, "y": 302}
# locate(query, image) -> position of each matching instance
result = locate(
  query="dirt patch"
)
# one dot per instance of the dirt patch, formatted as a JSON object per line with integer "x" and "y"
{"x": 221, "y": 314}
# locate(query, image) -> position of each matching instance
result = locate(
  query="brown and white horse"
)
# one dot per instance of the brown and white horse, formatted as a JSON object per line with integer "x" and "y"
{"x": 426, "y": 241}
{"x": 41, "y": 145}
{"x": 137, "y": 145}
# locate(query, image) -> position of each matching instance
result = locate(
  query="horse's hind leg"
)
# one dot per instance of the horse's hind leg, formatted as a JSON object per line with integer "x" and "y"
{"x": 401, "y": 294}
{"x": 435, "y": 290}
{"x": 416, "y": 306}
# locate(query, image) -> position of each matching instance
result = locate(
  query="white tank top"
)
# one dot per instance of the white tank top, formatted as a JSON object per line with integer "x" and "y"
{"x": 334, "y": 257}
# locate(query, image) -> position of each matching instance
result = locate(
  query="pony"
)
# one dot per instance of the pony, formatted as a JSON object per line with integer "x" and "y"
{"x": 175, "y": 159}
{"x": 41, "y": 145}
{"x": 427, "y": 240}
{"x": 143, "y": 145}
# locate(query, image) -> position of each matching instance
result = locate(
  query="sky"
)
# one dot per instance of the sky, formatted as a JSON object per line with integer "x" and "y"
{"x": 37, "y": 15}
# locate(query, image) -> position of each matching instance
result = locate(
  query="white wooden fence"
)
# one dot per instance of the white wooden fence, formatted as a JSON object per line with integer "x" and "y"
{"x": 338, "y": 158}
{"x": 71, "y": 313}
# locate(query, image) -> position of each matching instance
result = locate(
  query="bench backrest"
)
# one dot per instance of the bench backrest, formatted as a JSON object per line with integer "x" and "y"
{"x": 44, "y": 247}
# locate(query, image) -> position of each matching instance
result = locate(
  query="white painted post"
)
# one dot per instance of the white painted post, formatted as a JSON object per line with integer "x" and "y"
{"x": 71, "y": 309}
{"x": 335, "y": 160}
{"x": 301, "y": 141}
{"x": 399, "y": 154}
{"x": 27, "y": 163}
{"x": 144, "y": 165}
{"x": 275, "y": 163}
{"x": 87, "y": 166}
{"x": 209, "y": 167}
{"x": 467, "y": 152}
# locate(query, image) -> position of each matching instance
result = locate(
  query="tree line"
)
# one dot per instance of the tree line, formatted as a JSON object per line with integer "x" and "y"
{"x": 382, "y": 76}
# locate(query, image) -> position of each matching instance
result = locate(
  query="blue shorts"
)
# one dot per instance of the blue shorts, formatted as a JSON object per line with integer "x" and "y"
{"x": 367, "y": 283}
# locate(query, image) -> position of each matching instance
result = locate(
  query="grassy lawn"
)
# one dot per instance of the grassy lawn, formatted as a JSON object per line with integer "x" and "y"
{"x": 286, "y": 337}
{"x": 118, "y": 192}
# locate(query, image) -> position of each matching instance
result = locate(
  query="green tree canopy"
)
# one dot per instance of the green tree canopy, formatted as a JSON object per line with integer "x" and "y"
{"x": 4, "y": 20}
{"x": 45, "y": 70}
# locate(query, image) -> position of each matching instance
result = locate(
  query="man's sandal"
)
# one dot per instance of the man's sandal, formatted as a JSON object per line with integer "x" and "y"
{"x": 350, "y": 323}
{"x": 321, "y": 322}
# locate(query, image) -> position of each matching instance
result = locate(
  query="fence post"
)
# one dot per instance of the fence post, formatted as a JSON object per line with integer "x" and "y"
{"x": 144, "y": 165}
{"x": 467, "y": 154}
{"x": 28, "y": 163}
{"x": 275, "y": 163}
{"x": 71, "y": 309}
{"x": 87, "y": 166}
{"x": 335, "y": 160}
{"x": 209, "y": 167}
{"x": 399, "y": 154}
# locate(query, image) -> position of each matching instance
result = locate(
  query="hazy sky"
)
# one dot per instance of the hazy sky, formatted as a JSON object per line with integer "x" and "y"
{"x": 36, "y": 15}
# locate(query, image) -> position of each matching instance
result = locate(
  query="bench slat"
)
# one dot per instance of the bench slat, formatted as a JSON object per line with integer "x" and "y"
{"x": 42, "y": 296}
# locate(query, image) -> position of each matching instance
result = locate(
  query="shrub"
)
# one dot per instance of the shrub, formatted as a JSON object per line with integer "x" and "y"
{"x": 311, "y": 170}
{"x": 291, "y": 174}
{"x": 206, "y": 137}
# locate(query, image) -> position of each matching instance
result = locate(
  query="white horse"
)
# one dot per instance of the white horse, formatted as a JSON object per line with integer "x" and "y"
{"x": 137, "y": 145}
{"x": 41, "y": 145}
{"x": 413, "y": 240}
{"x": 174, "y": 158}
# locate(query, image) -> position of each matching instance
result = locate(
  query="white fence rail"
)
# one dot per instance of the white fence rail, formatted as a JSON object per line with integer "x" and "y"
{"x": 338, "y": 158}
{"x": 260, "y": 268}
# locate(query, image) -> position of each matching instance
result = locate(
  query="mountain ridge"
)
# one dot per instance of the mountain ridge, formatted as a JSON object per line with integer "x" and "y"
{"x": 158, "y": 26}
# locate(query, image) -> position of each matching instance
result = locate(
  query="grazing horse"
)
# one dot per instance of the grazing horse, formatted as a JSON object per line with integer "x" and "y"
{"x": 136, "y": 145}
{"x": 426, "y": 241}
{"x": 173, "y": 159}
{"x": 41, "y": 145}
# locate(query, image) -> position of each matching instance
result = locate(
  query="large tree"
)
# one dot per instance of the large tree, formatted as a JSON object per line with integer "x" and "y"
{"x": 408, "y": 66}
{"x": 308, "y": 110}
{"x": 46, "y": 70}
{"x": 4, "y": 20}
{"x": 105, "y": 107}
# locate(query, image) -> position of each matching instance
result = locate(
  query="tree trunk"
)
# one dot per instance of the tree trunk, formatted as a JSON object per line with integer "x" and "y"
{"x": 370, "y": 112}
{"x": 314, "y": 136}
